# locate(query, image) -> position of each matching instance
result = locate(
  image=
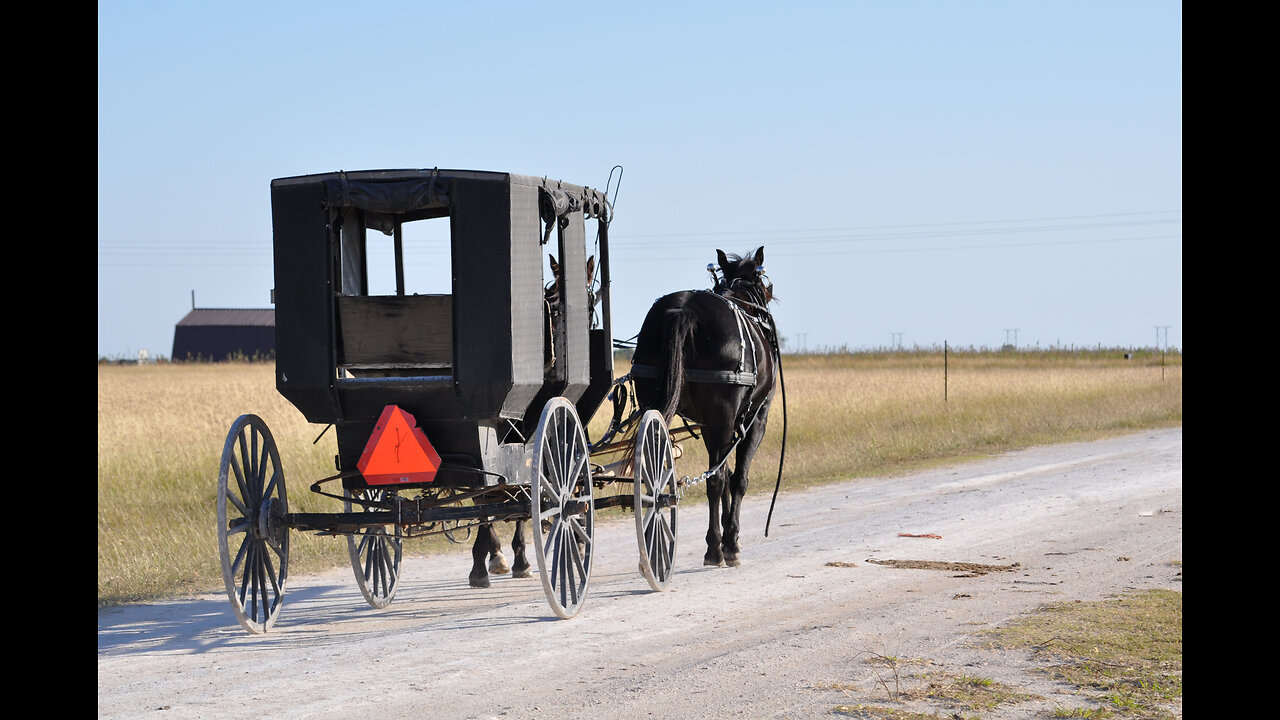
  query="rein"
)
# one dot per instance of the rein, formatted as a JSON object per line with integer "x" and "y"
{"x": 764, "y": 318}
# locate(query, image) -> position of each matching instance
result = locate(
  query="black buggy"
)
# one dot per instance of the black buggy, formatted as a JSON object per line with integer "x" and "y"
{"x": 452, "y": 410}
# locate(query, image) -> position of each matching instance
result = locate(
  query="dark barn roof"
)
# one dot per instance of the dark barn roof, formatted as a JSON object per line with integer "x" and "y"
{"x": 224, "y": 333}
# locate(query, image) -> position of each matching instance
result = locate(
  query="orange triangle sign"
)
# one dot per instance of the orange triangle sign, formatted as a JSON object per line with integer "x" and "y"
{"x": 398, "y": 451}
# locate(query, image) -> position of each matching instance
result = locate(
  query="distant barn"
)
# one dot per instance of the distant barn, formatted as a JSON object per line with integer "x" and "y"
{"x": 223, "y": 334}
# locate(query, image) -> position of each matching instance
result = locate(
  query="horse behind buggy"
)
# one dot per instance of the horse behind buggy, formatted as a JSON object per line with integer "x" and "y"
{"x": 452, "y": 410}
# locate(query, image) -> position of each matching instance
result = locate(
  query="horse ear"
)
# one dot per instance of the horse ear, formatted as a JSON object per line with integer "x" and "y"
{"x": 591, "y": 269}
{"x": 720, "y": 257}
{"x": 555, "y": 266}
{"x": 760, "y": 257}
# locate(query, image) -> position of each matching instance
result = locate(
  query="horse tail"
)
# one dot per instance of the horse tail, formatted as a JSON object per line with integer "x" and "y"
{"x": 679, "y": 326}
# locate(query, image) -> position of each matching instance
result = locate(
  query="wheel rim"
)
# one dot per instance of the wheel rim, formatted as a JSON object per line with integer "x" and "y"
{"x": 253, "y": 538}
{"x": 655, "y": 477}
{"x": 375, "y": 553}
{"x": 563, "y": 507}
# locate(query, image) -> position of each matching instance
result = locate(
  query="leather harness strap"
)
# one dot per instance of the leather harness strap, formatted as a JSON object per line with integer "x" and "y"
{"x": 727, "y": 377}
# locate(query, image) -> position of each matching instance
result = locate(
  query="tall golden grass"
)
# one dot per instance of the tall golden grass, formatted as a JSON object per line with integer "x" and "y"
{"x": 160, "y": 434}
{"x": 161, "y": 429}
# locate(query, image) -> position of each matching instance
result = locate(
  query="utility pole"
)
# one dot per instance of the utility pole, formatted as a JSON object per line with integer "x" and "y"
{"x": 897, "y": 340}
{"x": 1165, "y": 328}
{"x": 1015, "y": 336}
{"x": 1159, "y": 328}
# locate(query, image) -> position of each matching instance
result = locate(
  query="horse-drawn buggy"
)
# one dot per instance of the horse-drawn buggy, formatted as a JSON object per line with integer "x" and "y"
{"x": 457, "y": 410}
{"x": 452, "y": 410}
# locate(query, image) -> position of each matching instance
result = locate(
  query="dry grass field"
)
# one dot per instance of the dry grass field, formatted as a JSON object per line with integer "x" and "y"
{"x": 161, "y": 429}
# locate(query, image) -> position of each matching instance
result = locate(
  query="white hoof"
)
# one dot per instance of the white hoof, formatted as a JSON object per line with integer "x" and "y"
{"x": 498, "y": 564}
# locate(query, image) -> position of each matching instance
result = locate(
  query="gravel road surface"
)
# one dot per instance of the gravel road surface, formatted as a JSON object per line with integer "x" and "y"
{"x": 787, "y": 635}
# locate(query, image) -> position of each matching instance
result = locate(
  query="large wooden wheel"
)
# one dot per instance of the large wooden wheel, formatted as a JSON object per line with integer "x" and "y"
{"x": 562, "y": 507}
{"x": 375, "y": 553}
{"x": 251, "y": 522}
{"x": 655, "y": 500}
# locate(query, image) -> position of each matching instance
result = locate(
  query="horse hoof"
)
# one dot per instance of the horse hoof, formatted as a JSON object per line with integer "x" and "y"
{"x": 480, "y": 582}
{"x": 498, "y": 564}
{"x": 712, "y": 562}
{"x": 522, "y": 573}
{"x": 731, "y": 559}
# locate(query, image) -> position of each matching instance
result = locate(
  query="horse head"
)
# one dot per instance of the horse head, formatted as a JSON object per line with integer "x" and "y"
{"x": 551, "y": 291}
{"x": 744, "y": 276}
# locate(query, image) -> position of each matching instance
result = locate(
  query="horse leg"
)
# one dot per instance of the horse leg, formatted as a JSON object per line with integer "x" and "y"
{"x": 738, "y": 488}
{"x": 520, "y": 564}
{"x": 717, "y": 492}
{"x": 497, "y": 561}
{"x": 486, "y": 542}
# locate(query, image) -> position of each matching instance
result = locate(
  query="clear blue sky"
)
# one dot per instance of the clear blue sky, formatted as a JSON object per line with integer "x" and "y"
{"x": 942, "y": 170}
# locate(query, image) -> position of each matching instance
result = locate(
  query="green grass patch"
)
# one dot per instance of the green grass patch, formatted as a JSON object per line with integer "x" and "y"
{"x": 1125, "y": 651}
{"x": 969, "y": 693}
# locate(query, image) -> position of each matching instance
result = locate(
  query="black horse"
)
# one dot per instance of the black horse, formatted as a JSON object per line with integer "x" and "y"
{"x": 712, "y": 357}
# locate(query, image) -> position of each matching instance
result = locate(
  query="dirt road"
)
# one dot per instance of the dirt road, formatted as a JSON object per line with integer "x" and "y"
{"x": 786, "y": 635}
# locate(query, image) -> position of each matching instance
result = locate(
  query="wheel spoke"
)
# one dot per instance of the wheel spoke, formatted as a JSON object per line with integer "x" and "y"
{"x": 262, "y": 472}
{"x": 261, "y": 579}
{"x": 240, "y": 555}
{"x": 271, "y": 574}
{"x": 367, "y": 556}
{"x": 553, "y": 552}
{"x": 576, "y": 526}
{"x": 576, "y": 556}
{"x": 387, "y": 563}
{"x": 567, "y": 567}
{"x": 553, "y": 536}
{"x": 270, "y": 490}
{"x": 375, "y": 569}
{"x": 384, "y": 564}
{"x": 247, "y": 571}
{"x": 664, "y": 550}
{"x": 240, "y": 482}
{"x": 241, "y": 461}
{"x": 571, "y": 481}
{"x": 253, "y": 472}
{"x": 235, "y": 502}
{"x": 648, "y": 520}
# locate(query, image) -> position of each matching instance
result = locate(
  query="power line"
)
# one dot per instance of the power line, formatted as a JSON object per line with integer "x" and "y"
{"x": 797, "y": 231}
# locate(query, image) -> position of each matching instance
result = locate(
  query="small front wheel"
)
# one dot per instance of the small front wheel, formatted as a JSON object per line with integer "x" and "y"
{"x": 375, "y": 553}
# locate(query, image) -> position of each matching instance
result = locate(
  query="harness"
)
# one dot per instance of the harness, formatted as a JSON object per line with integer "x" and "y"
{"x": 742, "y": 376}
